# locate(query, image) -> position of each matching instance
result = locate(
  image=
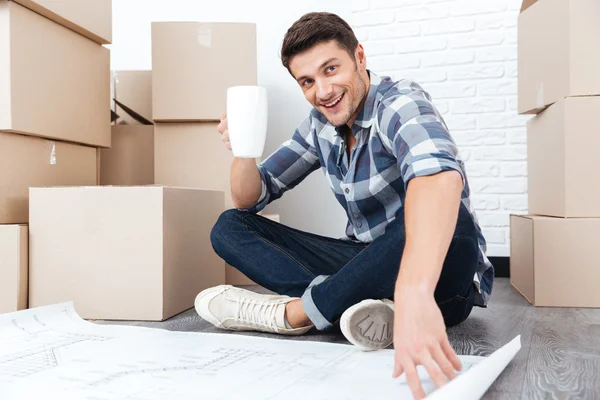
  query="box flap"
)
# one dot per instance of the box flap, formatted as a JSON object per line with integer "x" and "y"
{"x": 113, "y": 116}
{"x": 139, "y": 118}
{"x": 526, "y": 4}
{"x": 134, "y": 89}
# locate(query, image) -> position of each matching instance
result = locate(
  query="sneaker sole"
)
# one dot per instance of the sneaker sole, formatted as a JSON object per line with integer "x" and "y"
{"x": 368, "y": 325}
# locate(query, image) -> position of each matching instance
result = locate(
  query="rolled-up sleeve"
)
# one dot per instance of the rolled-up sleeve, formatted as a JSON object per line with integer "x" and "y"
{"x": 417, "y": 134}
{"x": 289, "y": 165}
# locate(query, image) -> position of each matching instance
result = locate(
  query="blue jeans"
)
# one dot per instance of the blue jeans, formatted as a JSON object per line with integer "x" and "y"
{"x": 331, "y": 275}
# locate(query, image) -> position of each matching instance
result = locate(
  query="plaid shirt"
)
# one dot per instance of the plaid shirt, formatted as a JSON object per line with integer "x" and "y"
{"x": 400, "y": 135}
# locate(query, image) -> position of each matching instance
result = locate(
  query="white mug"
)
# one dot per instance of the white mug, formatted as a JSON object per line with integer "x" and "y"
{"x": 247, "y": 120}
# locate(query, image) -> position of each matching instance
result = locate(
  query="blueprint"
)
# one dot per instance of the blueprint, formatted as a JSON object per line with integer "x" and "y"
{"x": 51, "y": 351}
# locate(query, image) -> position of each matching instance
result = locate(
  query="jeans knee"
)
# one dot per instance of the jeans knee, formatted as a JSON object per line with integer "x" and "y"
{"x": 229, "y": 221}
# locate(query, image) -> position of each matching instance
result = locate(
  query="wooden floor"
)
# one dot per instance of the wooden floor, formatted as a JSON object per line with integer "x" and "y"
{"x": 559, "y": 358}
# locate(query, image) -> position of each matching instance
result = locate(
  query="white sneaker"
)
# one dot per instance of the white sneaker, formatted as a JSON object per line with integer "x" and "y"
{"x": 369, "y": 324}
{"x": 237, "y": 309}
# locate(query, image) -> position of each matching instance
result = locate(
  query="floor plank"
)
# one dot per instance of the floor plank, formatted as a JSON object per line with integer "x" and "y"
{"x": 564, "y": 361}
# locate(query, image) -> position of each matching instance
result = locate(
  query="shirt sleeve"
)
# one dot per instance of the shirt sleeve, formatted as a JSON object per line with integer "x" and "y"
{"x": 289, "y": 165}
{"x": 416, "y": 133}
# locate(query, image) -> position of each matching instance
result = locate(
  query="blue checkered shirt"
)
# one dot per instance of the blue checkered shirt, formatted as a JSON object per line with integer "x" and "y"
{"x": 400, "y": 135}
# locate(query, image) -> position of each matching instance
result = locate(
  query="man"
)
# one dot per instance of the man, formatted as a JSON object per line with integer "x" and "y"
{"x": 412, "y": 236}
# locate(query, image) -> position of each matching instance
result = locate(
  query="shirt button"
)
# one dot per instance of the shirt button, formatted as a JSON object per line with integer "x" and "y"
{"x": 347, "y": 190}
{"x": 358, "y": 224}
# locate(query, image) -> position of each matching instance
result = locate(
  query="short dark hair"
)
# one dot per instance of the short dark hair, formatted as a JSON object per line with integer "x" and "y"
{"x": 314, "y": 28}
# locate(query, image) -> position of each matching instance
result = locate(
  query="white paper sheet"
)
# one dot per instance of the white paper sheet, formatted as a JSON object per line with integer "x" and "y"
{"x": 51, "y": 351}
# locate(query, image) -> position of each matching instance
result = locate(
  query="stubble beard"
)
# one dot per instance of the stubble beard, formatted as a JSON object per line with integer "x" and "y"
{"x": 352, "y": 107}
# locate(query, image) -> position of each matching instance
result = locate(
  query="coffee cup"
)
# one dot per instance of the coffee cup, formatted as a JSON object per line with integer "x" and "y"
{"x": 247, "y": 120}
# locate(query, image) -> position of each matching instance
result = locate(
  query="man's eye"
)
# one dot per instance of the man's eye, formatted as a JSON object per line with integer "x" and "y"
{"x": 307, "y": 82}
{"x": 331, "y": 68}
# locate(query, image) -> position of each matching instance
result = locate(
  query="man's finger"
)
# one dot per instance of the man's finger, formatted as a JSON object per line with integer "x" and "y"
{"x": 225, "y": 137}
{"x": 222, "y": 116}
{"x": 399, "y": 356}
{"x": 435, "y": 373}
{"x": 440, "y": 358}
{"x": 451, "y": 354}
{"x": 398, "y": 369}
{"x": 412, "y": 378}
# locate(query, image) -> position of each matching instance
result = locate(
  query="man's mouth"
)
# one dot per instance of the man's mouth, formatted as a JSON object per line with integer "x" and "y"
{"x": 334, "y": 102}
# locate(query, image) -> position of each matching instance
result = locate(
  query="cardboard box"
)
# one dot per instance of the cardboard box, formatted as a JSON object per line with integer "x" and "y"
{"x": 130, "y": 160}
{"x": 13, "y": 268}
{"x": 554, "y": 261}
{"x": 193, "y": 64}
{"x": 54, "y": 83}
{"x": 123, "y": 253}
{"x": 562, "y": 159}
{"x": 558, "y": 52}
{"x": 27, "y": 161}
{"x": 133, "y": 89}
{"x": 192, "y": 155}
{"x": 235, "y": 277}
{"x": 92, "y": 19}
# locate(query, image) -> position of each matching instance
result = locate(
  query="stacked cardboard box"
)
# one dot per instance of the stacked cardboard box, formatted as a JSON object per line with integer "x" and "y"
{"x": 54, "y": 75}
{"x": 136, "y": 251}
{"x": 554, "y": 255}
{"x": 193, "y": 64}
{"x": 124, "y": 250}
{"x": 143, "y": 252}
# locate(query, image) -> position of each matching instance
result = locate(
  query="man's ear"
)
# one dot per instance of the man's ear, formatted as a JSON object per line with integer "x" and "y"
{"x": 360, "y": 56}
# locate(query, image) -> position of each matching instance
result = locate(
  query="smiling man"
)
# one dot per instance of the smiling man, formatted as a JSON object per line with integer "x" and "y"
{"x": 413, "y": 261}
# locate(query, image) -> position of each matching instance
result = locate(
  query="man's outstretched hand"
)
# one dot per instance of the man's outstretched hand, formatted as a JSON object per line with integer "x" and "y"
{"x": 420, "y": 339}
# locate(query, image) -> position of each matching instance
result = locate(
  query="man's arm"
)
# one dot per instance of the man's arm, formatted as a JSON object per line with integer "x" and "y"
{"x": 430, "y": 212}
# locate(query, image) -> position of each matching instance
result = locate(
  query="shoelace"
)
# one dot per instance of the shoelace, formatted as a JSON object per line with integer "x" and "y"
{"x": 257, "y": 313}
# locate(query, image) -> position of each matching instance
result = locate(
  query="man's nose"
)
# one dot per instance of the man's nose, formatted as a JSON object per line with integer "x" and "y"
{"x": 325, "y": 90}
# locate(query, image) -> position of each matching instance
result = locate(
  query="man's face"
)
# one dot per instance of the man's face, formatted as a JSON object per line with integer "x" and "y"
{"x": 332, "y": 81}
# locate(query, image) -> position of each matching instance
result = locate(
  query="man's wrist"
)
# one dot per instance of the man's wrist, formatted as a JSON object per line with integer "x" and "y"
{"x": 422, "y": 287}
{"x": 417, "y": 278}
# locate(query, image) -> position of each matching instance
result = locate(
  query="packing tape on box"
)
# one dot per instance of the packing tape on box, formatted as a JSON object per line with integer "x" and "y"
{"x": 52, "y": 147}
{"x": 540, "y": 96}
{"x": 204, "y": 35}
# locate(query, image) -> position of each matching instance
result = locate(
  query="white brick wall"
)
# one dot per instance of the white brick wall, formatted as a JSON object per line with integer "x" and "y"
{"x": 464, "y": 53}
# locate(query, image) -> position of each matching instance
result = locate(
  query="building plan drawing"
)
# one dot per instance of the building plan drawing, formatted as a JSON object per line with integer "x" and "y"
{"x": 51, "y": 352}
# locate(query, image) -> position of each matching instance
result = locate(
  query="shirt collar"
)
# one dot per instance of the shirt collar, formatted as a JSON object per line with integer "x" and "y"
{"x": 366, "y": 115}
